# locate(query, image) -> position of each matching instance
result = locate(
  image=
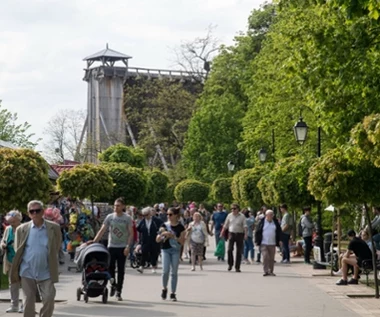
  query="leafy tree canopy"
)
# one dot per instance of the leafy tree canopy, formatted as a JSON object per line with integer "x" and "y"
{"x": 121, "y": 153}
{"x": 287, "y": 182}
{"x": 23, "y": 177}
{"x": 221, "y": 190}
{"x": 159, "y": 112}
{"x": 191, "y": 190}
{"x": 128, "y": 182}
{"x": 215, "y": 129}
{"x": 244, "y": 186}
{"x": 85, "y": 181}
{"x": 13, "y": 132}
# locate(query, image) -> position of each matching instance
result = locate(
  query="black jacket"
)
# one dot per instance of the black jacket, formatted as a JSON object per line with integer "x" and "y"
{"x": 149, "y": 237}
{"x": 259, "y": 232}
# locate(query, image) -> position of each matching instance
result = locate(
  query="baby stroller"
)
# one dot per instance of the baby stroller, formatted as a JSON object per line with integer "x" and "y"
{"x": 136, "y": 260}
{"x": 93, "y": 260}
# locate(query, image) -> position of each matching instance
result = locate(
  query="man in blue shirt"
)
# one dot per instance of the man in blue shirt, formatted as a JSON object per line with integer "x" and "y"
{"x": 217, "y": 220}
{"x": 37, "y": 245}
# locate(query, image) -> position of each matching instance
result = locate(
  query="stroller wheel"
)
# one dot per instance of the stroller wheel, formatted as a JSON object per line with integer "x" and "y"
{"x": 85, "y": 298}
{"x": 105, "y": 295}
{"x": 134, "y": 264}
{"x": 79, "y": 293}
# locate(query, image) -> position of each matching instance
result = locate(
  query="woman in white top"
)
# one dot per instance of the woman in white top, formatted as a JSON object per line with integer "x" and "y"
{"x": 197, "y": 232}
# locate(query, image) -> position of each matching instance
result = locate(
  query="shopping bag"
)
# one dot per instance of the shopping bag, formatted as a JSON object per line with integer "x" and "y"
{"x": 220, "y": 249}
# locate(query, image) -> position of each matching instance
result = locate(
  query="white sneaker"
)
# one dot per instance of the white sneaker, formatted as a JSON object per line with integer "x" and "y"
{"x": 140, "y": 269}
{"x": 21, "y": 310}
{"x": 338, "y": 273}
{"x": 154, "y": 271}
{"x": 12, "y": 309}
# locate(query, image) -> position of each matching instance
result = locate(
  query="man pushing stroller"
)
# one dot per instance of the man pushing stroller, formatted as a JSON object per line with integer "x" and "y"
{"x": 119, "y": 242}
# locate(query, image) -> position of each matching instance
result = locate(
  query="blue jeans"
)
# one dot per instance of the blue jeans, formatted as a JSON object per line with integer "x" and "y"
{"x": 217, "y": 238}
{"x": 170, "y": 259}
{"x": 248, "y": 247}
{"x": 285, "y": 246}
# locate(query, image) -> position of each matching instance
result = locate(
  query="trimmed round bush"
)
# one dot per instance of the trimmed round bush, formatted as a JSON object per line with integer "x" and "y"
{"x": 191, "y": 190}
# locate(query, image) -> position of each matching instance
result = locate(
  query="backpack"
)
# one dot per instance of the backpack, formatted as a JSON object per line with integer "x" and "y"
{"x": 300, "y": 228}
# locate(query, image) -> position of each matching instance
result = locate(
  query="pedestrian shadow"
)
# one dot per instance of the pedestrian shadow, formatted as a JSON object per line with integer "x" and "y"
{"x": 114, "y": 310}
{"x": 208, "y": 305}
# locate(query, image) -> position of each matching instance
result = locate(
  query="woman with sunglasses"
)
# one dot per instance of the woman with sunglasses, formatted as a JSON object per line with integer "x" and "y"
{"x": 172, "y": 236}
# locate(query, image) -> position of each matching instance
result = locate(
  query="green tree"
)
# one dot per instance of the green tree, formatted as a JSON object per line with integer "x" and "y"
{"x": 23, "y": 177}
{"x": 121, "y": 153}
{"x": 129, "y": 183}
{"x": 244, "y": 186}
{"x": 215, "y": 128}
{"x": 287, "y": 183}
{"x": 221, "y": 190}
{"x": 86, "y": 181}
{"x": 191, "y": 190}
{"x": 158, "y": 112}
{"x": 160, "y": 183}
{"x": 13, "y": 132}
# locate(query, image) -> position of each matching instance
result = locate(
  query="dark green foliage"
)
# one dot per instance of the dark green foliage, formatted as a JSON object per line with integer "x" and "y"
{"x": 221, "y": 190}
{"x": 191, "y": 190}
{"x": 121, "y": 153}
{"x": 129, "y": 183}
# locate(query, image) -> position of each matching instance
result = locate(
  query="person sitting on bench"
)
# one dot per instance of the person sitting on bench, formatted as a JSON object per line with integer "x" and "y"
{"x": 361, "y": 251}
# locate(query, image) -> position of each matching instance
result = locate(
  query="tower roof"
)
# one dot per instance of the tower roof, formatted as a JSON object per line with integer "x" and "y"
{"x": 107, "y": 55}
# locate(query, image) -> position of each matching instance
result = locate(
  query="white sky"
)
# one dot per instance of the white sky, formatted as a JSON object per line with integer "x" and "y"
{"x": 43, "y": 42}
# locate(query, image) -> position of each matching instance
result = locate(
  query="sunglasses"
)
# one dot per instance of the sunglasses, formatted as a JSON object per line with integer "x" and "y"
{"x": 170, "y": 215}
{"x": 233, "y": 208}
{"x": 35, "y": 211}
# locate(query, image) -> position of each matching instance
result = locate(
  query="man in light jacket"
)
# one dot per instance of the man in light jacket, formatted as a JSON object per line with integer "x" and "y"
{"x": 307, "y": 232}
{"x": 35, "y": 263}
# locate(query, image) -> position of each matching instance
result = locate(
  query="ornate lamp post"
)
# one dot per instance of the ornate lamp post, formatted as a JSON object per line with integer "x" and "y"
{"x": 262, "y": 155}
{"x": 231, "y": 166}
{"x": 300, "y": 133}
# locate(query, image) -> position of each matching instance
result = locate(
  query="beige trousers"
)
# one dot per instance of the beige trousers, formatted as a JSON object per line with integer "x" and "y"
{"x": 268, "y": 252}
{"x": 30, "y": 288}
{"x": 15, "y": 293}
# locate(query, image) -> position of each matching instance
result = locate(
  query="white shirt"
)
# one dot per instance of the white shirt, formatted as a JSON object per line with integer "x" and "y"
{"x": 148, "y": 223}
{"x": 269, "y": 233}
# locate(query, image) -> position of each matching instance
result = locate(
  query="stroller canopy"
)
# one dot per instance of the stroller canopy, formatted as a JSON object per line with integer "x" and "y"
{"x": 93, "y": 252}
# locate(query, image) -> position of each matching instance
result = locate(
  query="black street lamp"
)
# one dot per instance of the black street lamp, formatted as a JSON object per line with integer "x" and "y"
{"x": 230, "y": 166}
{"x": 300, "y": 132}
{"x": 262, "y": 155}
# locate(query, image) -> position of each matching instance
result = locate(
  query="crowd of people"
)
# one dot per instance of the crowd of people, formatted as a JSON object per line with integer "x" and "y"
{"x": 33, "y": 249}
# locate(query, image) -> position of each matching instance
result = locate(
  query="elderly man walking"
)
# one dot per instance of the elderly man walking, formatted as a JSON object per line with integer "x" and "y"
{"x": 236, "y": 224}
{"x": 268, "y": 235}
{"x": 37, "y": 244}
{"x": 148, "y": 229}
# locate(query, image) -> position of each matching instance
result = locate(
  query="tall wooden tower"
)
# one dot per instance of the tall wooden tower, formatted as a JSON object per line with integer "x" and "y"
{"x": 105, "y": 123}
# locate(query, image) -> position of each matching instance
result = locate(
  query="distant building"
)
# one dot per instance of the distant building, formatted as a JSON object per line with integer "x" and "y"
{"x": 66, "y": 166}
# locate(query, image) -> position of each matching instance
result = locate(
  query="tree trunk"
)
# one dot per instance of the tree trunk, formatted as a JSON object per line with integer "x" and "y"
{"x": 374, "y": 257}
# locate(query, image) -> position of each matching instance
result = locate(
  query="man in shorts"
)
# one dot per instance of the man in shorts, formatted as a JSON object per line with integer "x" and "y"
{"x": 362, "y": 252}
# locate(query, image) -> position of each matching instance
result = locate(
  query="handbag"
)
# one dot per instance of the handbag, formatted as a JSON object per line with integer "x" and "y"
{"x": 220, "y": 249}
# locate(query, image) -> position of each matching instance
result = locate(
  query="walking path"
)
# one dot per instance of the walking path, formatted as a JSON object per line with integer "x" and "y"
{"x": 217, "y": 292}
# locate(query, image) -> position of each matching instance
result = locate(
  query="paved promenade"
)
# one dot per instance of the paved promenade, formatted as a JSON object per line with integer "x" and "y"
{"x": 217, "y": 292}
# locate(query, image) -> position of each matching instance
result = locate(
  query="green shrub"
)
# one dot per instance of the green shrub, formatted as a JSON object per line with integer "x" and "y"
{"x": 191, "y": 190}
{"x": 221, "y": 190}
